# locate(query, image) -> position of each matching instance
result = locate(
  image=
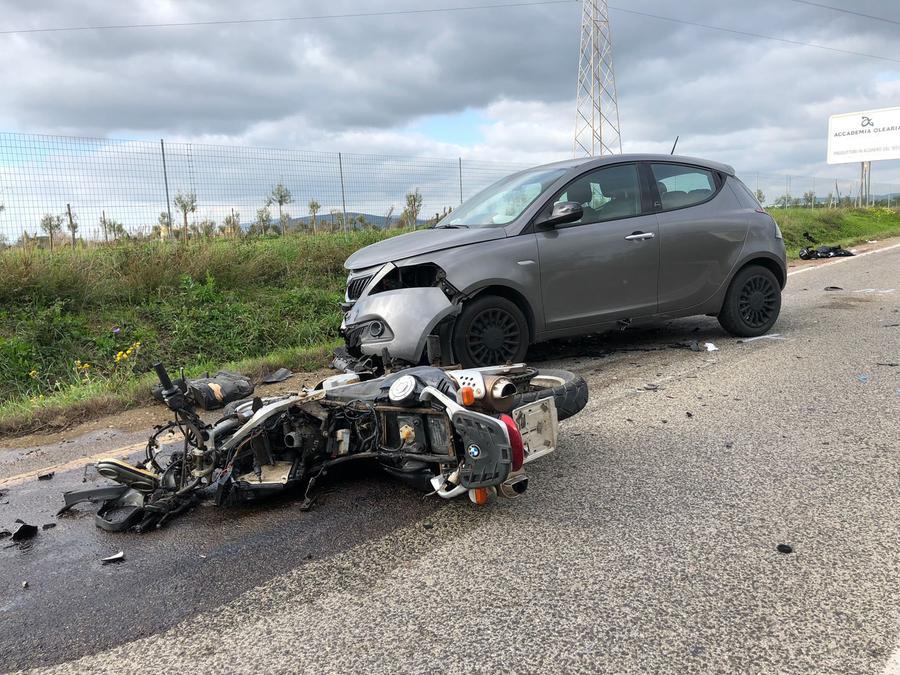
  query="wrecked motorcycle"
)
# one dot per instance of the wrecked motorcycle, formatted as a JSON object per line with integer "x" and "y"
{"x": 451, "y": 432}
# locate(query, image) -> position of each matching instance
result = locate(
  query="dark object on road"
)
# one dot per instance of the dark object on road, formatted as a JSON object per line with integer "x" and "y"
{"x": 114, "y": 558}
{"x": 833, "y": 288}
{"x": 5, "y": 533}
{"x": 517, "y": 263}
{"x": 279, "y": 375}
{"x": 784, "y": 548}
{"x": 24, "y": 531}
{"x": 693, "y": 345}
{"x": 889, "y": 364}
{"x": 48, "y": 526}
{"x": 94, "y": 495}
{"x": 47, "y": 476}
{"x": 651, "y": 386}
{"x": 211, "y": 393}
{"x": 449, "y": 432}
{"x": 807, "y": 253}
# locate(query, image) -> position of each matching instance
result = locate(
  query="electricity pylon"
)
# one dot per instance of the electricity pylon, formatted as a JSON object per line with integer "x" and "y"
{"x": 596, "y": 111}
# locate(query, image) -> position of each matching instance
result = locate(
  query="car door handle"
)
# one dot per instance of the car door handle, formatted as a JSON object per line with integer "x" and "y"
{"x": 639, "y": 236}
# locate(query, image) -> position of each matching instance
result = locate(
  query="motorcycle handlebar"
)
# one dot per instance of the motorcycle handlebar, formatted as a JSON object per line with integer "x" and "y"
{"x": 163, "y": 376}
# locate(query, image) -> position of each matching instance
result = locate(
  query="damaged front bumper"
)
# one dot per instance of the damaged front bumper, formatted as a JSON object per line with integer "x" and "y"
{"x": 394, "y": 322}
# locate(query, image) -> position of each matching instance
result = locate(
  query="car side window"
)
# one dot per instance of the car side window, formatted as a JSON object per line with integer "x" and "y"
{"x": 605, "y": 194}
{"x": 680, "y": 185}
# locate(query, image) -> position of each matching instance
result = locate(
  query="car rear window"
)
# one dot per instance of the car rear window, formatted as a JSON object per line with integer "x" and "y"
{"x": 680, "y": 185}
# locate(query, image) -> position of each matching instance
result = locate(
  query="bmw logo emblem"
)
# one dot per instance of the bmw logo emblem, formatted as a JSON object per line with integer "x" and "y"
{"x": 474, "y": 451}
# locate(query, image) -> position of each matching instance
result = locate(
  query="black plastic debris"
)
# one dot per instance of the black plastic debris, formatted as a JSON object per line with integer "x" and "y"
{"x": 279, "y": 375}
{"x": 651, "y": 386}
{"x": 24, "y": 531}
{"x": 211, "y": 393}
{"x": 48, "y": 526}
{"x": 46, "y": 476}
{"x": 689, "y": 414}
{"x": 784, "y": 548}
{"x": 5, "y": 533}
{"x": 114, "y": 558}
{"x": 809, "y": 253}
{"x": 833, "y": 288}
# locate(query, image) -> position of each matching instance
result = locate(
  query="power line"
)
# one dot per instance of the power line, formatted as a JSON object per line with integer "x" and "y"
{"x": 310, "y": 17}
{"x": 434, "y": 10}
{"x": 755, "y": 35}
{"x": 846, "y": 11}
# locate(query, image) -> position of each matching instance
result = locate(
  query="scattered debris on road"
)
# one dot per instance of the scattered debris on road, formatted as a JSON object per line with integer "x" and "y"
{"x": 889, "y": 364}
{"x": 211, "y": 393}
{"x": 809, "y": 253}
{"x": 24, "y": 531}
{"x": 773, "y": 336}
{"x": 651, "y": 386}
{"x": 46, "y": 476}
{"x": 114, "y": 558}
{"x": 48, "y": 526}
{"x": 24, "y": 584}
{"x": 863, "y": 377}
{"x": 784, "y": 548}
{"x": 833, "y": 288}
{"x": 279, "y": 375}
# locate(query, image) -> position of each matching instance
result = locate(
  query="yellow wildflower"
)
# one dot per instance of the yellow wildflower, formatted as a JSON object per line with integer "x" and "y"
{"x": 33, "y": 374}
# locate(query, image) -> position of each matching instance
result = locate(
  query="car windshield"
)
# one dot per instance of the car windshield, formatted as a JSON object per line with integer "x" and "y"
{"x": 502, "y": 202}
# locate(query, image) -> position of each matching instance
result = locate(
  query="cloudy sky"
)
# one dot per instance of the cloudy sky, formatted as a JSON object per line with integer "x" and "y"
{"x": 493, "y": 84}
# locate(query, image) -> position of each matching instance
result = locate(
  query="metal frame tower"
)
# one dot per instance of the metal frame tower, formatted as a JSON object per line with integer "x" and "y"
{"x": 597, "y": 110}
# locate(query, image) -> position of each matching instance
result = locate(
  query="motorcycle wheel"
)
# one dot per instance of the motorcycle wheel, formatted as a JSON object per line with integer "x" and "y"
{"x": 568, "y": 390}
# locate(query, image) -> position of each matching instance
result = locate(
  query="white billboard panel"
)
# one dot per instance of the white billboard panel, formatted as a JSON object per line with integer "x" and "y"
{"x": 865, "y": 136}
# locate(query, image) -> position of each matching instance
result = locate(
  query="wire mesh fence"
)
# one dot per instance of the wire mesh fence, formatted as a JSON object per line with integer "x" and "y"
{"x": 114, "y": 188}
{"x": 101, "y": 189}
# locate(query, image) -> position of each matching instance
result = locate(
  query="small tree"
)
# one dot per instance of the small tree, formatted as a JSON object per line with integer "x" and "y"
{"x": 51, "y": 225}
{"x": 71, "y": 224}
{"x": 760, "y": 196}
{"x": 164, "y": 225}
{"x": 231, "y": 226}
{"x": 280, "y": 195}
{"x": 263, "y": 220}
{"x": 413, "y": 207}
{"x": 186, "y": 203}
{"x": 314, "y": 208}
{"x": 809, "y": 199}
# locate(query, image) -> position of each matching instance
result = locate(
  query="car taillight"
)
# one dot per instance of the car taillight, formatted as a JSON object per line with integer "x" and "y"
{"x": 515, "y": 442}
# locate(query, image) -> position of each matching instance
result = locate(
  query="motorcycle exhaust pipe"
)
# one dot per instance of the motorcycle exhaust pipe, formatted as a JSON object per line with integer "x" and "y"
{"x": 514, "y": 486}
{"x": 499, "y": 393}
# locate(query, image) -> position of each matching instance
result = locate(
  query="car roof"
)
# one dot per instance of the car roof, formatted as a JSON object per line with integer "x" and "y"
{"x": 591, "y": 162}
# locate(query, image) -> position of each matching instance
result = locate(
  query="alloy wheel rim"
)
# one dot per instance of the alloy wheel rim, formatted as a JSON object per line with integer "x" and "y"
{"x": 757, "y": 301}
{"x": 493, "y": 337}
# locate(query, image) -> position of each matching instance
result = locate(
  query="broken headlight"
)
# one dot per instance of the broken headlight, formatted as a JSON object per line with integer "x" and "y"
{"x": 426, "y": 275}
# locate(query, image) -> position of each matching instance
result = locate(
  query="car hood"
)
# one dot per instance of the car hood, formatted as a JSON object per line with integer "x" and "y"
{"x": 417, "y": 243}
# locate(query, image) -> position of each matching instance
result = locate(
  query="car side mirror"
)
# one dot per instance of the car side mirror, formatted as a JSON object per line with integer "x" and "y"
{"x": 563, "y": 212}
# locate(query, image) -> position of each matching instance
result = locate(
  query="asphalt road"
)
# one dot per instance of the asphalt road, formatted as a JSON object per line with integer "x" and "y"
{"x": 647, "y": 542}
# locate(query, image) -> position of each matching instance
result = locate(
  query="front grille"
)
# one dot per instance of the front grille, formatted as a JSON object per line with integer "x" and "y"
{"x": 357, "y": 286}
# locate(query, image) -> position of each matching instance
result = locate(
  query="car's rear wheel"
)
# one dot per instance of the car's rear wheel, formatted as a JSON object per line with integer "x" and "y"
{"x": 490, "y": 331}
{"x": 752, "y": 303}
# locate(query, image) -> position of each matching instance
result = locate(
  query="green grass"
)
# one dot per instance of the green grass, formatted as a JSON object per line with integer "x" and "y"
{"x": 67, "y": 320}
{"x": 246, "y": 304}
{"x": 835, "y": 227}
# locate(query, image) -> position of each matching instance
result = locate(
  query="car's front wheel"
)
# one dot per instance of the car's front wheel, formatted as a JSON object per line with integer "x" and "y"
{"x": 490, "y": 331}
{"x": 752, "y": 303}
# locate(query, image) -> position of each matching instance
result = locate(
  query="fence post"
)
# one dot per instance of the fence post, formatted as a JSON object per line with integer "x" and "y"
{"x": 71, "y": 224}
{"x": 343, "y": 198}
{"x": 162, "y": 147}
{"x": 460, "y": 180}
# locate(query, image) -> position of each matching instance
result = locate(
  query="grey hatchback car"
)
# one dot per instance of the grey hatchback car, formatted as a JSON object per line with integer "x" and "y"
{"x": 567, "y": 249}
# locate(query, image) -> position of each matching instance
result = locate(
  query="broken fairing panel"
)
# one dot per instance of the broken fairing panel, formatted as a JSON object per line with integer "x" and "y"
{"x": 410, "y": 423}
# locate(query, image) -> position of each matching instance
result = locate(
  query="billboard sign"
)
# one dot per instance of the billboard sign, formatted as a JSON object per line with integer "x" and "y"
{"x": 864, "y": 136}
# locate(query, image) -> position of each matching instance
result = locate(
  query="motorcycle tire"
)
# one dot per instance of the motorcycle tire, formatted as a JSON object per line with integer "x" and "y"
{"x": 568, "y": 390}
